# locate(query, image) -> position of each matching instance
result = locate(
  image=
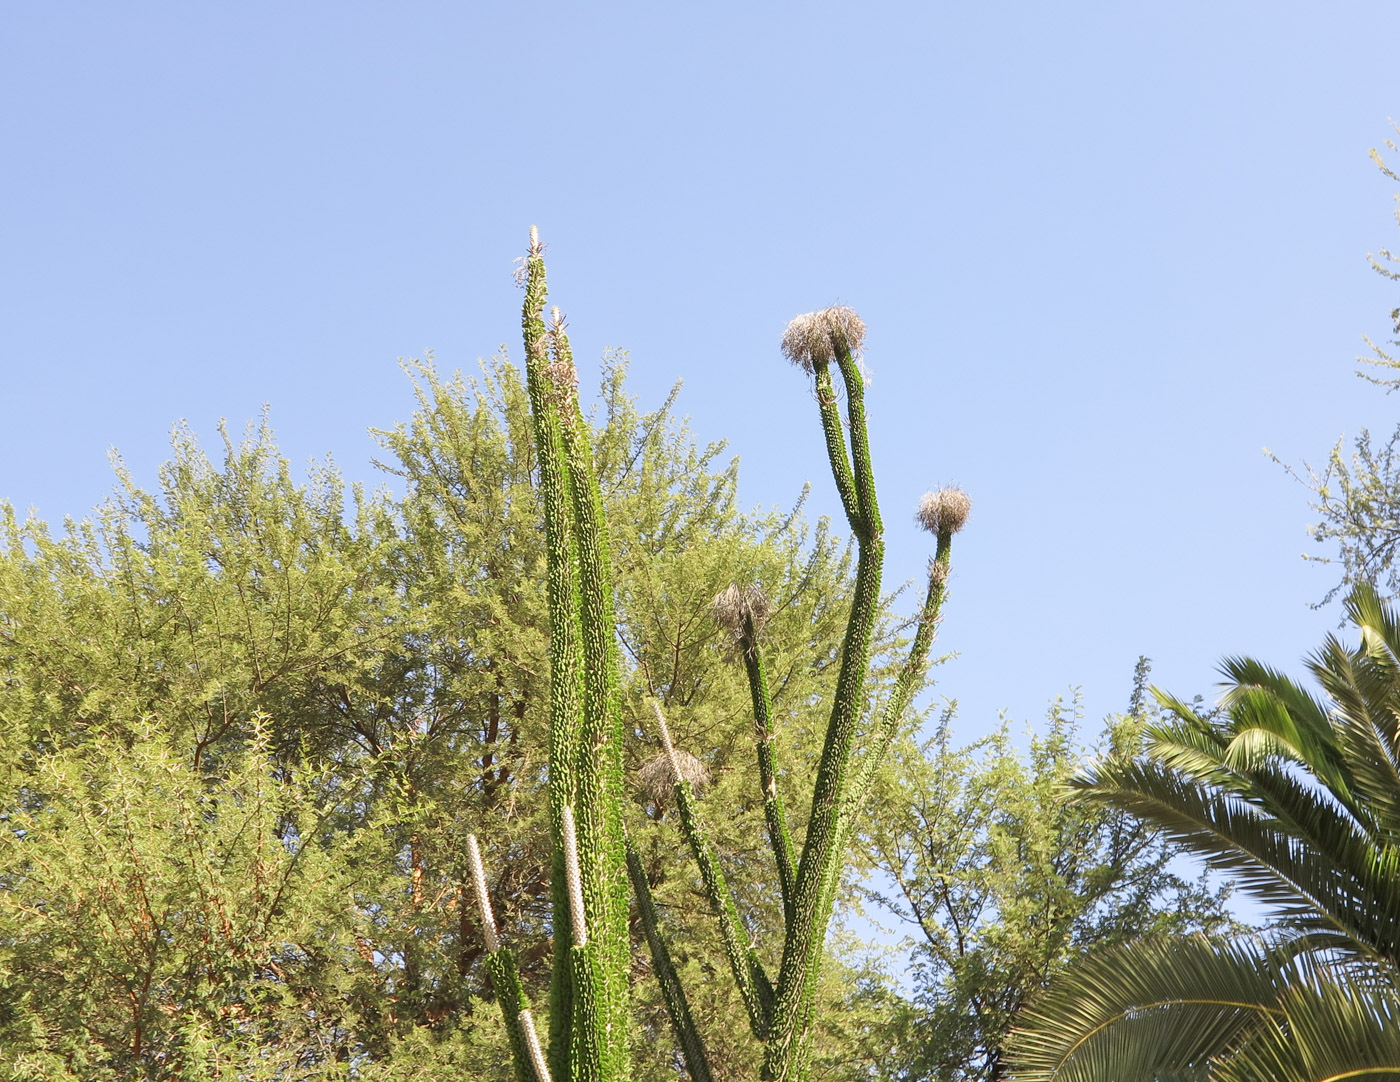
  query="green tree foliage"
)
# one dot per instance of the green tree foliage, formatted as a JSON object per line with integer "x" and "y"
{"x": 1297, "y": 796}
{"x": 157, "y": 920}
{"x": 377, "y": 669}
{"x": 1358, "y": 496}
{"x": 248, "y": 723}
{"x": 1003, "y": 882}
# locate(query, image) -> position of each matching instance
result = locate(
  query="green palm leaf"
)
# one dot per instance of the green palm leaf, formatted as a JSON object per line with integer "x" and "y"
{"x": 1151, "y": 1008}
{"x": 1330, "y": 1030}
{"x": 1298, "y": 797}
{"x": 1307, "y": 862}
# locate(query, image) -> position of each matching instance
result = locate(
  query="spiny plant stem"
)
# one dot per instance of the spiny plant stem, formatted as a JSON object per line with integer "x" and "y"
{"x": 697, "y": 1061}
{"x": 854, "y": 379}
{"x": 911, "y": 675}
{"x": 593, "y": 861}
{"x": 598, "y": 762}
{"x": 803, "y": 943}
{"x": 753, "y": 984}
{"x": 505, "y": 983}
{"x": 773, "y": 813}
{"x": 565, "y": 655}
{"x": 836, "y": 447}
{"x": 589, "y": 1023}
{"x": 815, "y": 342}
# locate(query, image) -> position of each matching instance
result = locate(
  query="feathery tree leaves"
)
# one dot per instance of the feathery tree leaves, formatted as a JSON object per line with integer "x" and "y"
{"x": 1359, "y": 500}
{"x": 1003, "y": 881}
{"x": 382, "y": 662}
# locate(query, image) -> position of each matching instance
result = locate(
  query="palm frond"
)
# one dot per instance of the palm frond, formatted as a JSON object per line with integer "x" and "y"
{"x": 1306, "y": 860}
{"x": 1299, "y": 798}
{"x": 1330, "y": 1029}
{"x": 1260, "y": 710}
{"x": 1371, "y": 757}
{"x": 1148, "y": 1009}
{"x": 1246, "y": 673}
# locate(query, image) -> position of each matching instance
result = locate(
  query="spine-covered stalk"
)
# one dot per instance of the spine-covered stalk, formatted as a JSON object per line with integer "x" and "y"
{"x": 592, "y": 862}
{"x": 565, "y": 654}
{"x": 744, "y": 610}
{"x": 782, "y": 1017}
{"x": 830, "y": 337}
{"x": 755, "y": 988}
{"x": 589, "y": 994}
{"x": 526, "y": 1054}
{"x": 697, "y": 1063}
{"x": 602, "y": 857}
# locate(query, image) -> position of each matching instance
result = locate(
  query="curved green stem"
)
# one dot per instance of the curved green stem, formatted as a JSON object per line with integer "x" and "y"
{"x": 911, "y": 676}
{"x": 773, "y": 813}
{"x": 836, "y": 452}
{"x": 755, "y": 988}
{"x": 697, "y": 1060}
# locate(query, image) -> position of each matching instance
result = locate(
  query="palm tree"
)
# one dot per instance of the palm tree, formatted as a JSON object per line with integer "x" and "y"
{"x": 1298, "y": 796}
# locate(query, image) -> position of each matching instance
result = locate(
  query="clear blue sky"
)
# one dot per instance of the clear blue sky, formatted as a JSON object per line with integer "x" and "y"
{"x": 1106, "y": 253}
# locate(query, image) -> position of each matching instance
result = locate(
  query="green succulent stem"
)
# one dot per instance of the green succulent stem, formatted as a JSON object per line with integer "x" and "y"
{"x": 589, "y": 1019}
{"x": 854, "y": 379}
{"x": 752, "y": 981}
{"x": 774, "y": 815}
{"x": 802, "y": 946}
{"x": 794, "y": 1053}
{"x": 841, "y": 786}
{"x": 910, "y": 678}
{"x": 805, "y": 935}
{"x": 697, "y": 1061}
{"x": 589, "y": 1023}
{"x": 515, "y": 1007}
{"x": 835, "y": 433}
{"x": 565, "y": 653}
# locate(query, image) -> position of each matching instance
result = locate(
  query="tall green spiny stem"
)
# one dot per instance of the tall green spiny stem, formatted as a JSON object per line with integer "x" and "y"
{"x": 598, "y": 752}
{"x": 565, "y": 654}
{"x": 744, "y": 611}
{"x": 592, "y": 862}
{"x": 697, "y": 1060}
{"x": 782, "y": 1016}
{"x": 817, "y": 341}
{"x": 526, "y": 1054}
{"x": 755, "y": 988}
{"x": 589, "y": 1019}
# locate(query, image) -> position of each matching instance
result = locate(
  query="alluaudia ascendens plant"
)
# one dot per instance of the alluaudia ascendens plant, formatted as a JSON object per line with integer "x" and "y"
{"x": 593, "y": 863}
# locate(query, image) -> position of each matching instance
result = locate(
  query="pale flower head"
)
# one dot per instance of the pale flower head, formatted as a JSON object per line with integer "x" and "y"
{"x": 944, "y": 511}
{"x": 657, "y": 779}
{"x": 735, "y": 605}
{"x": 811, "y": 339}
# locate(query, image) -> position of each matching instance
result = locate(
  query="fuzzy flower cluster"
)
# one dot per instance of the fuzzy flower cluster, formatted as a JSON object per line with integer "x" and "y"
{"x": 736, "y": 605}
{"x": 657, "y": 779}
{"x": 812, "y": 339}
{"x": 944, "y": 511}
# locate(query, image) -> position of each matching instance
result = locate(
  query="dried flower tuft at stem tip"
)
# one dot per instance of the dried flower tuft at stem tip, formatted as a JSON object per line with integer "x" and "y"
{"x": 658, "y": 778}
{"x": 735, "y": 605}
{"x": 535, "y": 247}
{"x": 811, "y": 339}
{"x": 944, "y": 511}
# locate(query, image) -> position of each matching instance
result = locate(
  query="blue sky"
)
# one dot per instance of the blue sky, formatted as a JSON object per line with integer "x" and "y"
{"x": 1106, "y": 253}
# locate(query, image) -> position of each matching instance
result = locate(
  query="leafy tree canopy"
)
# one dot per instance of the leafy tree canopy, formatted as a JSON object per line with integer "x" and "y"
{"x": 1003, "y": 881}
{"x": 246, "y": 729}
